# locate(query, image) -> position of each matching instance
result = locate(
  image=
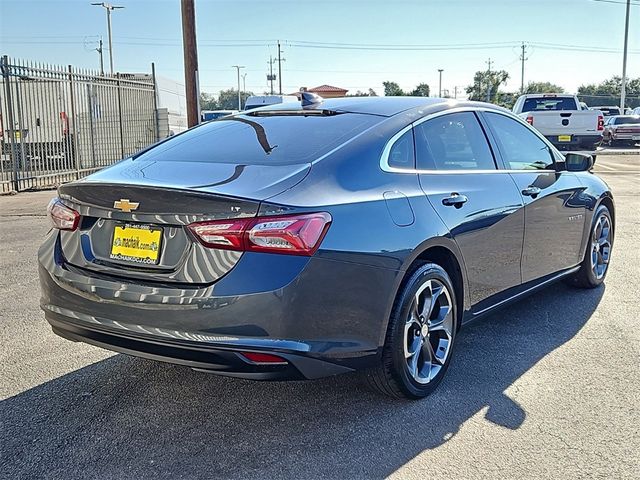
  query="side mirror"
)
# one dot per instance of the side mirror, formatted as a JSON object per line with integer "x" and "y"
{"x": 578, "y": 162}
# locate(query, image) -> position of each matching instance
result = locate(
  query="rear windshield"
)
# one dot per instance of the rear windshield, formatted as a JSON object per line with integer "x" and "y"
{"x": 621, "y": 120}
{"x": 549, "y": 103}
{"x": 265, "y": 140}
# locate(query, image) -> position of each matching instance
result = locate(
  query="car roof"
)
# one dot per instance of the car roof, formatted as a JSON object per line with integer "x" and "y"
{"x": 382, "y": 106}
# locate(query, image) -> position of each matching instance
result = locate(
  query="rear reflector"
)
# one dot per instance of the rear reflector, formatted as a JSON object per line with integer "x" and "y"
{"x": 263, "y": 358}
{"x": 289, "y": 234}
{"x": 61, "y": 216}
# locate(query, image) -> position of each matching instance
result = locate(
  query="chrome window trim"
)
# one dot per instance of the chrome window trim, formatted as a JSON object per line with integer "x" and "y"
{"x": 384, "y": 157}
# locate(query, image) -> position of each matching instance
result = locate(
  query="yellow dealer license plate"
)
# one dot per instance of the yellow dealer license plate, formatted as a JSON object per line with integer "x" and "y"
{"x": 564, "y": 138}
{"x": 136, "y": 243}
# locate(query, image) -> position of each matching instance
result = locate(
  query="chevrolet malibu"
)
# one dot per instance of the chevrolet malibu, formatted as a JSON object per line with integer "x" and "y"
{"x": 310, "y": 239}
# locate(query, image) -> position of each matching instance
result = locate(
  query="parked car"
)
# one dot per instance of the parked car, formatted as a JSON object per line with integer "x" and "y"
{"x": 622, "y": 130}
{"x": 608, "y": 110}
{"x": 207, "y": 115}
{"x": 255, "y": 101}
{"x": 562, "y": 120}
{"x": 299, "y": 242}
{"x": 635, "y": 111}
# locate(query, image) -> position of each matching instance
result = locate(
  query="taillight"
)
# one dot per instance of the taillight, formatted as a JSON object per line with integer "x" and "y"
{"x": 61, "y": 216}
{"x": 530, "y": 119}
{"x": 264, "y": 358}
{"x": 289, "y": 234}
{"x": 600, "y": 123}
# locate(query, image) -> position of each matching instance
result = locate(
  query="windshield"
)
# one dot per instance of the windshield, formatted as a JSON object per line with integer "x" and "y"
{"x": 264, "y": 140}
{"x": 549, "y": 103}
{"x": 627, "y": 120}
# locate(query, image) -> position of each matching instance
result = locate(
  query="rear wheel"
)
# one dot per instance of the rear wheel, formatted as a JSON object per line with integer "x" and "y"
{"x": 595, "y": 264}
{"x": 420, "y": 336}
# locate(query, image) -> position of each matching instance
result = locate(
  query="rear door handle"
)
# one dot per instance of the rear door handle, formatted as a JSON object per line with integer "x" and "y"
{"x": 531, "y": 191}
{"x": 455, "y": 200}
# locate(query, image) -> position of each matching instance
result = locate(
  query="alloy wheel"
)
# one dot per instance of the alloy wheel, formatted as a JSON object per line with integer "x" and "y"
{"x": 428, "y": 331}
{"x": 601, "y": 246}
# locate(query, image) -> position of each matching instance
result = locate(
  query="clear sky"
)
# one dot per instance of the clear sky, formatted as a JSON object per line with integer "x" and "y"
{"x": 570, "y": 42}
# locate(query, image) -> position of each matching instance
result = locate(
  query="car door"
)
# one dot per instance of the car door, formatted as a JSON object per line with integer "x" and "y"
{"x": 479, "y": 204}
{"x": 554, "y": 211}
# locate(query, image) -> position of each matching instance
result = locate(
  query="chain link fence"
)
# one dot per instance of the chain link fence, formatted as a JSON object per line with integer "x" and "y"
{"x": 58, "y": 124}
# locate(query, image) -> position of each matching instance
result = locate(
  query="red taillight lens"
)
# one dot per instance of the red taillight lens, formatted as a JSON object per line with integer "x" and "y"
{"x": 530, "y": 119}
{"x": 61, "y": 216}
{"x": 263, "y": 358}
{"x": 289, "y": 234}
{"x": 600, "y": 122}
{"x": 225, "y": 234}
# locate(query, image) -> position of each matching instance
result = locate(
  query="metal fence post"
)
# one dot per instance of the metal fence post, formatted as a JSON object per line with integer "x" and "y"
{"x": 12, "y": 141}
{"x": 74, "y": 140}
{"x": 155, "y": 100}
{"x": 120, "y": 116}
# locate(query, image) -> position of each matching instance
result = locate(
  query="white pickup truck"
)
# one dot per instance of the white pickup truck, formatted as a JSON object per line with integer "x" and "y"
{"x": 561, "y": 119}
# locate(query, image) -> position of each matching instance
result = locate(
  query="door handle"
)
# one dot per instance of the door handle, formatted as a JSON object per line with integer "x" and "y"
{"x": 531, "y": 191}
{"x": 454, "y": 200}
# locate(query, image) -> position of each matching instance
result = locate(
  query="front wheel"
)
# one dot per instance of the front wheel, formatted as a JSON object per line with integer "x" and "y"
{"x": 420, "y": 336}
{"x": 595, "y": 264}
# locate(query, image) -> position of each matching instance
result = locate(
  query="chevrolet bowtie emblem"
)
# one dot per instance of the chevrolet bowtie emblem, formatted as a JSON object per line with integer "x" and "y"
{"x": 125, "y": 205}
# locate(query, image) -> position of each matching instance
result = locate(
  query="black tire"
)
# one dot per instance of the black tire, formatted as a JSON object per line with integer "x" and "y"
{"x": 587, "y": 277}
{"x": 392, "y": 376}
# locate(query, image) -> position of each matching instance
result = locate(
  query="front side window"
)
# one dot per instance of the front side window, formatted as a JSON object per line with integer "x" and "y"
{"x": 452, "y": 142}
{"x": 521, "y": 148}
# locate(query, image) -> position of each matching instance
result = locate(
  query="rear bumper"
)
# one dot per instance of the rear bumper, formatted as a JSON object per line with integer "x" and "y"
{"x": 590, "y": 141}
{"x": 299, "y": 311}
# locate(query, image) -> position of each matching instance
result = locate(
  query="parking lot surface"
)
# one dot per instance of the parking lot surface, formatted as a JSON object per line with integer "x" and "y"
{"x": 548, "y": 387}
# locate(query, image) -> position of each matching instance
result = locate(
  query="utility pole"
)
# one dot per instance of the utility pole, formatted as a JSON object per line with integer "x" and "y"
{"x": 244, "y": 82}
{"x": 238, "y": 67}
{"x": 280, "y": 60}
{"x": 489, "y": 62}
{"x": 270, "y": 76}
{"x": 623, "y": 90}
{"x": 455, "y": 91}
{"x": 523, "y": 58}
{"x": 99, "y": 50}
{"x": 109, "y": 8}
{"x": 440, "y": 70}
{"x": 190, "y": 50}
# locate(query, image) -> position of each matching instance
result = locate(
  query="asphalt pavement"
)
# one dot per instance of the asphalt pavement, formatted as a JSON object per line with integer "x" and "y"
{"x": 546, "y": 388}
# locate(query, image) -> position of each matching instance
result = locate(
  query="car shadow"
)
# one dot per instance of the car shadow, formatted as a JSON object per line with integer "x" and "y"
{"x": 125, "y": 417}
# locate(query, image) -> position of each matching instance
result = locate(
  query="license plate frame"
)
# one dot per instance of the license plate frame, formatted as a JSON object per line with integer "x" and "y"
{"x": 139, "y": 244}
{"x": 564, "y": 138}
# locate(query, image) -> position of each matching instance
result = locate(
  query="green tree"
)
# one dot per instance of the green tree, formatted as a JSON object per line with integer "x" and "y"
{"x": 422, "y": 90}
{"x": 228, "y": 99}
{"x": 392, "y": 89}
{"x": 611, "y": 86}
{"x": 360, "y": 93}
{"x": 208, "y": 102}
{"x": 543, "y": 87}
{"x": 486, "y": 85}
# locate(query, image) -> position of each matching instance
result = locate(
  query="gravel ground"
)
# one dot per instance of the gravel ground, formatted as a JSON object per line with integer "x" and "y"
{"x": 549, "y": 387}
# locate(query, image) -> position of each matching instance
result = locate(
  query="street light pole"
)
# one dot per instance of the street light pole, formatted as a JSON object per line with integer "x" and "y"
{"x": 244, "y": 82}
{"x": 238, "y": 67}
{"x": 109, "y": 8}
{"x": 440, "y": 70}
{"x": 623, "y": 90}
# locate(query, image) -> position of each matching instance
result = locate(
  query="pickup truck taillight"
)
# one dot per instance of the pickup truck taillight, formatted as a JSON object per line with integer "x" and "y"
{"x": 530, "y": 119}
{"x": 600, "y": 123}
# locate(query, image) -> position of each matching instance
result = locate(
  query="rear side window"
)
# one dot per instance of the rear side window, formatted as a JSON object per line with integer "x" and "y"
{"x": 452, "y": 142}
{"x": 264, "y": 140}
{"x": 521, "y": 149}
{"x": 402, "y": 154}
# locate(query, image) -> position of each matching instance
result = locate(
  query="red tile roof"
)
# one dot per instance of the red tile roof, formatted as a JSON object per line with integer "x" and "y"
{"x": 327, "y": 88}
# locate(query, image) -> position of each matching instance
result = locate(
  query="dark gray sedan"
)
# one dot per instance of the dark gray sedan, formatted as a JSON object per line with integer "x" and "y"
{"x": 304, "y": 240}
